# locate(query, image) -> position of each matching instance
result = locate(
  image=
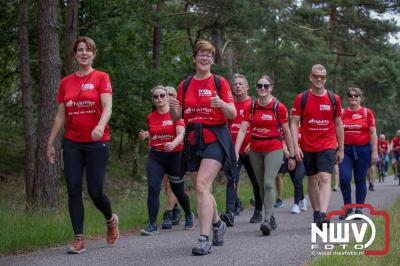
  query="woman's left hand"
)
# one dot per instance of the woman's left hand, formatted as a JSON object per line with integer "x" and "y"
{"x": 98, "y": 132}
{"x": 291, "y": 164}
{"x": 374, "y": 157}
{"x": 169, "y": 146}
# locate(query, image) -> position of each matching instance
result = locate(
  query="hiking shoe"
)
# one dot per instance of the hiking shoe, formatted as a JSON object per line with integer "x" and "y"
{"x": 78, "y": 246}
{"x": 303, "y": 204}
{"x": 189, "y": 222}
{"x": 203, "y": 247}
{"x": 273, "y": 223}
{"x": 239, "y": 207}
{"x": 253, "y": 202}
{"x": 348, "y": 212}
{"x": 322, "y": 220}
{"x": 112, "y": 230}
{"x": 279, "y": 203}
{"x": 316, "y": 216}
{"x": 266, "y": 228}
{"x": 228, "y": 218}
{"x": 296, "y": 209}
{"x": 176, "y": 215}
{"x": 371, "y": 187}
{"x": 358, "y": 211}
{"x": 150, "y": 230}
{"x": 218, "y": 234}
{"x": 257, "y": 217}
{"x": 167, "y": 222}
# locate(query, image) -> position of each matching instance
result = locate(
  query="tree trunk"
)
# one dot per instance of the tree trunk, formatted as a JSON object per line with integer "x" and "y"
{"x": 27, "y": 102}
{"x": 157, "y": 36}
{"x": 71, "y": 23}
{"x": 46, "y": 174}
{"x": 135, "y": 161}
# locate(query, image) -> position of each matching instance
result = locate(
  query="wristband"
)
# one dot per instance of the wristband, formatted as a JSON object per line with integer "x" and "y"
{"x": 292, "y": 157}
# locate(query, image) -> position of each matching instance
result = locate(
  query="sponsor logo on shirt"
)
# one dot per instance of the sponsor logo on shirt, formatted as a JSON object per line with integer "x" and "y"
{"x": 71, "y": 103}
{"x": 235, "y": 125}
{"x": 318, "y": 122}
{"x": 87, "y": 86}
{"x": 162, "y": 137}
{"x": 241, "y": 113}
{"x": 167, "y": 123}
{"x": 266, "y": 117}
{"x": 324, "y": 107}
{"x": 354, "y": 126}
{"x": 205, "y": 92}
{"x": 200, "y": 110}
{"x": 356, "y": 116}
{"x": 261, "y": 130}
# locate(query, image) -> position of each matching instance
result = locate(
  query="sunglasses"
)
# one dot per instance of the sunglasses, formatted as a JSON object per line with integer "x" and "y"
{"x": 352, "y": 95}
{"x": 171, "y": 95}
{"x": 161, "y": 96}
{"x": 265, "y": 86}
{"x": 319, "y": 77}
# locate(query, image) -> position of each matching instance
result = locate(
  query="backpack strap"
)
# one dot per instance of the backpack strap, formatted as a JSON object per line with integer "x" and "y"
{"x": 275, "y": 109}
{"x": 333, "y": 102}
{"x": 185, "y": 87}
{"x": 253, "y": 108}
{"x": 331, "y": 98}
{"x": 303, "y": 104}
{"x": 217, "y": 81}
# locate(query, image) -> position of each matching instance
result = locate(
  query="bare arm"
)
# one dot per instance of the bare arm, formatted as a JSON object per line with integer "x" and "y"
{"x": 289, "y": 144}
{"x": 55, "y": 130}
{"x": 294, "y": 129}
{"x": 180, "y": 131}
{"x": 340, "y": 139}
{"x": 228, "y": 109}
{"x": 241, "y": 135}
{"x": 374, "y": 144}
{"x": 106, "y": 102}
{"x": 175, "y": 110}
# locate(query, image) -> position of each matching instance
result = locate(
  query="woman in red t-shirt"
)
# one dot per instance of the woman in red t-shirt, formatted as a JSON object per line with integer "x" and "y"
{"x": 205, "y": 101}
{"x": 166, "y": 145}
{"x": 360, "y": 148}
{"x": 267, "y": 120}
{"x": 84, "y": 106}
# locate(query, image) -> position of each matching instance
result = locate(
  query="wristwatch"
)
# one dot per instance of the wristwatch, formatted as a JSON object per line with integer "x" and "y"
{"x": 292, "y": 157}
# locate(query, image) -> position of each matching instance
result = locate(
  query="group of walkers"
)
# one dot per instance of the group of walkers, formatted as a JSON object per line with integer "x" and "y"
{"x": 203, "y": 129}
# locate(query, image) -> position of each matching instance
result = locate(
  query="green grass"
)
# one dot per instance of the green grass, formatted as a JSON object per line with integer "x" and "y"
{"x": 391, "y": 258}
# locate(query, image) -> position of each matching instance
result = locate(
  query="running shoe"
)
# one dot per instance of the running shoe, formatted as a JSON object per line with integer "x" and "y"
{"x": 279, "y": 203}
{"x": 150, "y": 230}
{"x": 228, "y": 218}
{"x": 296, "y": 209}
{"x": 303, "y": 204}
{"x": 371, "y": 187}
{"x": 348, "y": 212}
{"x": 239, "y": 207}
{"x": 273, "y": 223}
{"x": 176, "y": 215}
{"x": 358, "y": 211}
{"x": 218, "y": 234}
{"x": 257, "y": 217}
{"x": 189, "y": 222}
{"x": 167, "y": 222}
{"x": 266, "y": 228}
{"x": 78, "y": 246}
{"x": 112, "y": 230}
{"x": 322, "y": 220}
{"x": 203, "y": 247}
{"x": 316, "y": 216}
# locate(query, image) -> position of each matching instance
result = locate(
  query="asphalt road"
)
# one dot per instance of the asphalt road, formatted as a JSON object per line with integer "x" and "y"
{"x": 289, "y": 244}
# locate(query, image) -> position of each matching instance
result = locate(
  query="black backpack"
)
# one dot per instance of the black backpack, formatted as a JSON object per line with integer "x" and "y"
{"x": 304, "y": 101}
{"x": 217, "y": 81}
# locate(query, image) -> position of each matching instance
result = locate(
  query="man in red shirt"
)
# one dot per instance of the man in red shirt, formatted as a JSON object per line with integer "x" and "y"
{"x": 395, "y": 143}
{"x": 322, "y": 132}
{"x": 383, "y": 149}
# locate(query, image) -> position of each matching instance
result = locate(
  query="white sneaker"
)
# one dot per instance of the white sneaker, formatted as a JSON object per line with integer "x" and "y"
{"x": 296, "y": 209}
{"x": 303, "y": 204}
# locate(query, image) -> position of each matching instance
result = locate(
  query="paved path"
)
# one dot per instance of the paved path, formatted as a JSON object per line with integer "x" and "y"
{"x": 244, "y": 244}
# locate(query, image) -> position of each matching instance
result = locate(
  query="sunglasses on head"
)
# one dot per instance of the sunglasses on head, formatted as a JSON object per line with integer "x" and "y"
{"x": 260, "y": 86}
{"x": 353, "y": 95}
{"x": 161, "y": 96}
{"x": 319, "y": 77}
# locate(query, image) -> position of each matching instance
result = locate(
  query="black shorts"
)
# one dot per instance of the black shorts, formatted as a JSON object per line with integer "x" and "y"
{"x": 213, "y": 150}
{"x": 322, "y": 161}
{"x": 284, "y": 167}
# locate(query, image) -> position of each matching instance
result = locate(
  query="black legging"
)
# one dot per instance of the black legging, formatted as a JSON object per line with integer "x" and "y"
{"x": 297, "y": 176}
{"x": 158, "y": 164}
{"x": 91, "y": 157}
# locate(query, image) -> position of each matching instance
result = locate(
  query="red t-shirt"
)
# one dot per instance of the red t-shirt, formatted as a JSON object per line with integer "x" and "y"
{"x": 384, "y": 146}
{"x": 356, "y": 126}
{"x": 396, "y": 145}
{"x": 82, "y": 101}
{"x": 243, "y": 110}
{"x": 318, "y": 128}
{"x": 197, "y": 104}
{"x": 162, "y": 130}
{"x": 264, "y": 124}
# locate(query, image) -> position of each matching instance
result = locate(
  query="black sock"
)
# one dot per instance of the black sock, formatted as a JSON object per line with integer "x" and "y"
{"x": 217, "y": 224}
{"x": 206, "y": 237}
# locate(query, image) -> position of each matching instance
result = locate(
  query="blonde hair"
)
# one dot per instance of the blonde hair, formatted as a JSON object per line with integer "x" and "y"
{"x": 170, "y": 89}
{"x": 86, "y": 40}
{"x": 202, "y": 45}
{"x": 159, "y": 87}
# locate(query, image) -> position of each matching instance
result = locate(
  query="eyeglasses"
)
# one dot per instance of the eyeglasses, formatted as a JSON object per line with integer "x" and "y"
{"x": 265, "y": 86}
{"x": 161, "y": 96}
{"x": 204, "y": 56}
{"x": 353, "y": 95}
{"x": 319, "y": 77}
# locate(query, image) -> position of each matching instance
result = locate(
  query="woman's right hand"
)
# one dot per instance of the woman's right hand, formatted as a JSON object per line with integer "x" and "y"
{"x": 173, "y": 104}
{"x": 142, "y": 134}
{"x": 51, "y": 154}
{"x": 299, "y": 154}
